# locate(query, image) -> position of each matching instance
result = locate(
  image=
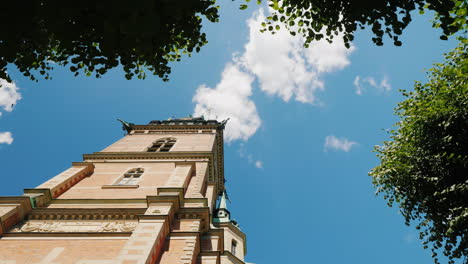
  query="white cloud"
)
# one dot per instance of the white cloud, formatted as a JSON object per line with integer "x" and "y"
{"x": 361, "y": 83}
{"x": 284, "y": 67}
{"x": 343, "y": 144}
{"x": 249, "y": 157}
{"x": 357, "y": 84}
{"x": 259, "y": 164}
{"x": 6, "y": 138}
{"x": 9, "y": 95}
{"x": 385, "y": 85}
{"x": 230, "y": 99}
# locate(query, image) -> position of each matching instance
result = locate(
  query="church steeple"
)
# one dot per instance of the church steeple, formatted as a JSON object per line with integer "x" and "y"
{"x": 222, "y": 214}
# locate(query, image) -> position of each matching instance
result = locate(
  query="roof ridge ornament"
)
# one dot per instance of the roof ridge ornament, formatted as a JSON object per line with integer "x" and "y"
{"x": 223, "y": 123}
{"x": 126, "y": 126}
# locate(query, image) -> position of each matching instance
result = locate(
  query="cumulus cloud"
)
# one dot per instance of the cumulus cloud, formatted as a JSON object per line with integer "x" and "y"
{"x": 362, "y": 83}
{"x": 9, "y": 95}
{"x": 282, "y": 67}
{"x": 6, "y": 138}
{"x": 342, "y": 144}
{"x": 230, "y": 99}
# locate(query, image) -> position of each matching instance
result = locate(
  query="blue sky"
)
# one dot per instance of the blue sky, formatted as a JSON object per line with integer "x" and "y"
{"x": 298, "y": 145}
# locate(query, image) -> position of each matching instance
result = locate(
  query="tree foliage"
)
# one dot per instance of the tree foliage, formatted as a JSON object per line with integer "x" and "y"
{"x": 93, "y": 36}
{"x": 424, "y": 167}
{"x": 318, "y": 19}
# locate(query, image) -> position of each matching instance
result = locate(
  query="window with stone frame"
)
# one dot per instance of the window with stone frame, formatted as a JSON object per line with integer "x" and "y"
{"x": 233, "y": 247}
{"x": 131, "y": 177}
{"x": 162, "y": 145}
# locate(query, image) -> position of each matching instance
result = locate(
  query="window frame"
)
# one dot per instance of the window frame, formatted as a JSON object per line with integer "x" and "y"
{"x": 234, "y": 247}
{"x": 162, "y": 145}
{"x": 131, "y": 177}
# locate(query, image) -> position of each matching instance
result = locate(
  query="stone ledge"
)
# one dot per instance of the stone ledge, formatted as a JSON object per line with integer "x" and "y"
{"x": 117, "y": 186}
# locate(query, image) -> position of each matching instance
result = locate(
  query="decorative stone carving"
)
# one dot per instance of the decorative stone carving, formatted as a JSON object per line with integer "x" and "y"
{"x": 74, "y": 226}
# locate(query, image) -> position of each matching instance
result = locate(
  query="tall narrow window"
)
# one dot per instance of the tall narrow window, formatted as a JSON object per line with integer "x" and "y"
{"x": 162, "y": 145}
{"x": 234, "y": 247}
{"x": 131, "y": 177}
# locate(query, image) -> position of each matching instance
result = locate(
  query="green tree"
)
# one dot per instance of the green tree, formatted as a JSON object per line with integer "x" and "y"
{"x": 93, "y": 36}
{"x": 424, "y": 167}
{"x": 317, "y": 19}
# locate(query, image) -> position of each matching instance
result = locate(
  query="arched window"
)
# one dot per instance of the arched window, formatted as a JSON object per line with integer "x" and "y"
{"x": 233, "y": 247}
{"x": 131, "y": 177}
{"x": 162, "y": 145}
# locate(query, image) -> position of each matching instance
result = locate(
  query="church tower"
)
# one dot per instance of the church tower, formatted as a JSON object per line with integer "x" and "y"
{"x": 151, "y": 197}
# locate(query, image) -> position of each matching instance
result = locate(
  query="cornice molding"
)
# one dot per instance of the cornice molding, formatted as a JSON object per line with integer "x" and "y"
{"x": 68, "y": 234}
{"x": 233, "y": 258}
{"x": 149, "y": 155}
{"x": 85, "y": 213}
{"x": 176, "y": 127}
{"x": 231, "y": 227}
{"x": 98, "y": 201}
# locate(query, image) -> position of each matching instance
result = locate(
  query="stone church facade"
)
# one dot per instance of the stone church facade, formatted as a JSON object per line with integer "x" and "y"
{"x": 151, "y": 197}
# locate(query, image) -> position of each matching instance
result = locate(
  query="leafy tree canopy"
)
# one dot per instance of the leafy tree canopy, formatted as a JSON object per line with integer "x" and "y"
{"x": 93, "y": 36}
{"x": 424, "y": 167}
{"x": 318, "y": 19}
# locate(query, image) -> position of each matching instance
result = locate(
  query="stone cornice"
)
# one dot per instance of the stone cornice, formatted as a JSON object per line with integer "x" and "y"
{"x": 150, "y": 155}
{"x": 184, "y": 234}
{"x": 231, "y": 227}
{"x": 24, "y": 201}
{"x": 98, "y": 201}
{"x": 161, "y": 127}
{"x": 233, "y": 258}
{"x": 85, "y": 213}
{"x": 216, "y": 253}
{"x": 220, "y": 159}
{"x": 68, "y": 234}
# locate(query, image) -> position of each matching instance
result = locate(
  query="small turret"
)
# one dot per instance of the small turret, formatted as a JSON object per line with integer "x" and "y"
{"x": 222, "y": 214}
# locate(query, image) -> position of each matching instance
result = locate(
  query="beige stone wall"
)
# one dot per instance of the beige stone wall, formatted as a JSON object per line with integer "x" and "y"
{"x": 99, "y": 184}
{"x": 197, "y": 186}
{"x": 142, "y": 246}
{"x": 229, "y": 235}
{"x": 185, "y": 142}
{"x": 210, "y": 243}
{"x": 211, "y": 196}
{"x": 65, "y": 180}
{"x": 63, "y": 251}
{"x": 208, "y": 260}
{"x": 228, "y": 260}
{"x": 188, "y": 225}
{"x": 183, "y": 250}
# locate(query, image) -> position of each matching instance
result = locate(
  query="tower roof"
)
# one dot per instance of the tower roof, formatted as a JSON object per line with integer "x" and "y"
{"x": 222, "y": 202}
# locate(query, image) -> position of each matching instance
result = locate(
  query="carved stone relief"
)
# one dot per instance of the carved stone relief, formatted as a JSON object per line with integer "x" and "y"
{"x": 74, "y": 226}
